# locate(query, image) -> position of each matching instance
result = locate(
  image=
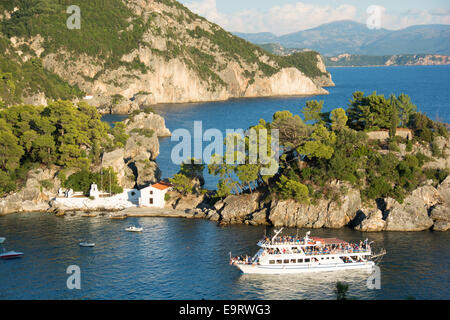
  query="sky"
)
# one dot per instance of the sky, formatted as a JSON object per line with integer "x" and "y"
{"x": 287, "y": 16}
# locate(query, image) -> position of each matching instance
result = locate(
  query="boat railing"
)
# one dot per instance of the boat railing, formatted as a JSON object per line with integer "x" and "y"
{"x": 337, "y": 251}
{"x": 311, "y": 253}
{"x": 268, "y": 242}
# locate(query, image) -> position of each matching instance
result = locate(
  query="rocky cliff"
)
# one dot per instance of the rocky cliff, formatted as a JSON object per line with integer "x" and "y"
{"x": 426, "y": 208}
{"x": 135, "y": 163}
{"x": 175, "y": 56}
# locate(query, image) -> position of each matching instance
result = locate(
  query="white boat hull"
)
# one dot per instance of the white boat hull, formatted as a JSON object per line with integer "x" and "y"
{"x": 306, "y": 268}
{"x": 11, "y": 255}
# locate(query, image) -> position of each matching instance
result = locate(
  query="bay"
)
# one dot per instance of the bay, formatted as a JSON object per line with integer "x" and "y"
{"x": 188, "y": 259}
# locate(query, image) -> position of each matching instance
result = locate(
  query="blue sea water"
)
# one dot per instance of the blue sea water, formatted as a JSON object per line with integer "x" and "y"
{"x": 188, "y": 259}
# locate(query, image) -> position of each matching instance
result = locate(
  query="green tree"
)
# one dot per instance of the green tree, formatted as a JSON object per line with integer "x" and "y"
{"x": 218, "y": 167}
{"x": 406, "y": 109}
{"x": 312, "y": 110}
{"x": 181, "y": 183}
{"x": 370, "y": 112}
{"x": 320, "y": 144}
{"x": 394, "y": 118}
{"x": 6, "y": 183}
{"x": 292, "y": 130}
{"x": 291, "y": 189}
{"x": 119, "y": 134}
{"x": 338, "y": 119}
{"x": 247, "y": 174}
{"x": 10, "y": 150}
{"x": 43, "y": 149}
{"x": 192, "y": 168}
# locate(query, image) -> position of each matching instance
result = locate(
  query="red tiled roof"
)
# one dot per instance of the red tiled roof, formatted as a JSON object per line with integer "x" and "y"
{"x": 161, "y": 186}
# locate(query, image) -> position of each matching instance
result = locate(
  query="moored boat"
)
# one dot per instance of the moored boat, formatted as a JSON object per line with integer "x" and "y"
{"x": 288, "y": 254}
{"x": 134, "y": 229}
{"x": 9, "y": 254}
{"x": 87, "y": 244}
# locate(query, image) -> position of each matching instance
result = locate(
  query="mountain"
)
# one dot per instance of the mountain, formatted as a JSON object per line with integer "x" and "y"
{"x": 358, "y": 60}
{"x": 262, "y": 37}
{"x": 352, "y": 60}
{"x": 355, "y": 38}
{"x": 138, "y": 52}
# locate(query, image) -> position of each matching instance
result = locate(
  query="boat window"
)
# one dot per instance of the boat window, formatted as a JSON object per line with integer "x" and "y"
{"x": 279, "y": 261}
{"x": 271, "y": 261}
{"x": 307, "y": 260}
{"x": 300, "y": 260}
{"x": 293, "y": 261}
{"x": 286, "y": 261}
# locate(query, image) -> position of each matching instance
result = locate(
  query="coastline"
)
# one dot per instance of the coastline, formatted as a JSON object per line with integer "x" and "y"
{"x": 393, "y": 65}
{"x": 162, "y": 105}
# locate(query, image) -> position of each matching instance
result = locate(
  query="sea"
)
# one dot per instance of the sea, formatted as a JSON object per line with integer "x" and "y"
{"x": 177, "y": 259}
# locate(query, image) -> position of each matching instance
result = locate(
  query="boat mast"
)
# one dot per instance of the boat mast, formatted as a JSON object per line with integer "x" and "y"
{"x": 276, "y": 234}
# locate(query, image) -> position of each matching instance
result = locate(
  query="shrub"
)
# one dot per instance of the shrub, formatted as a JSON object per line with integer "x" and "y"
{"x": 409, "y": 146}
{"x": 435, "y": 150}
{"x": 289, "y": 189}
{"x": 181, "y": 183}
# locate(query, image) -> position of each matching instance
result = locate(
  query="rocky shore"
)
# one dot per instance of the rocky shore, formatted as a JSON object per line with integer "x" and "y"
{"x": 427, "y": 207}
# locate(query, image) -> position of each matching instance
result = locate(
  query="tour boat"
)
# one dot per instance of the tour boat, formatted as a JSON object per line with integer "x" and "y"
{"x": 87, "y": 244}
{"x": 289, "y": 254}
{"x": 134, "y": 229}
{"x": 9, "y": 254}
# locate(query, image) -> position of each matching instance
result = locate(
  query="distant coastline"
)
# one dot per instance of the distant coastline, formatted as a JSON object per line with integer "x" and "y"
{"x": 394, "y": 65}
{"x": 354, "y": 60}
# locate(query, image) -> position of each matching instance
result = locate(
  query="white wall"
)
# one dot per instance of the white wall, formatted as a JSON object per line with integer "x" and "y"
{"x": 157, "y": 196}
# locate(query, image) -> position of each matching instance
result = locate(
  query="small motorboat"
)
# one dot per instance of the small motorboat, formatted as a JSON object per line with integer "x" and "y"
{"x": 134, "y": 229}
{"x": 87, "y": 244}
{"x": 9, "y": 254}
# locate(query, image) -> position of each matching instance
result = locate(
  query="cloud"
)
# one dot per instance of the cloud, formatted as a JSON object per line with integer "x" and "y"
{"x": 278, "y": 19}
{"x": 288, "y": 18}
{"x": 415, "y": 17}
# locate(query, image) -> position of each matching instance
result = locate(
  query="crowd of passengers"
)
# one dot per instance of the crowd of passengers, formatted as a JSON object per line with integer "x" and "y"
{"x": 284, "y": 240}
{"x": 325, "y": 249}
{"x": 241, "y": 260}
